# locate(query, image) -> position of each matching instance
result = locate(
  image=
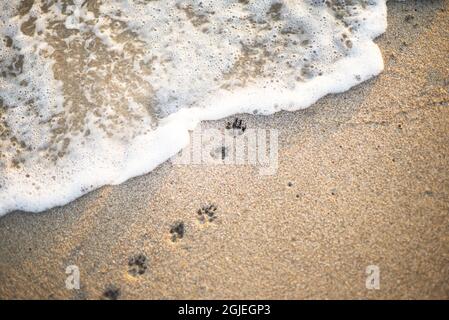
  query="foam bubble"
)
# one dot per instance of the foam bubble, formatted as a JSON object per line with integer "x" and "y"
{"x": 96, "y": 92}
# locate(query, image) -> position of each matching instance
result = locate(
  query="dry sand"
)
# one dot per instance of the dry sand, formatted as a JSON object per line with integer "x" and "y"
{"x": 363, "y": 180}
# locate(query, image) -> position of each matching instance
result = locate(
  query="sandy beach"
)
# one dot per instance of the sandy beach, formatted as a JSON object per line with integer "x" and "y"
{"x": 362, "y": 180}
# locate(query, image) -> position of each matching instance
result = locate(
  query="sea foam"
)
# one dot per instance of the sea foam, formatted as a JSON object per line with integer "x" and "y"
{"x": 96, "y": 92}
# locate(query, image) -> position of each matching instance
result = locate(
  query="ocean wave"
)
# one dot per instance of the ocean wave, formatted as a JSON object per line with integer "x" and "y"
{"x": 96, "y": 92}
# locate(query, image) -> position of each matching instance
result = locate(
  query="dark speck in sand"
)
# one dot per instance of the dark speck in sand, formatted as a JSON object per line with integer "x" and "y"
{"x": 111, "y": 293}
{"x": 409, "y": 18}
{"x": 137, "y": 265}
{"x": 290, "y": 184}
{"x": 177, "y": 231}
{"x": 207, "y": 212}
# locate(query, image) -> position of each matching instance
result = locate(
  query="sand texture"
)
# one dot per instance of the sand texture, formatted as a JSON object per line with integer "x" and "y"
{"x": 363, "y": 179}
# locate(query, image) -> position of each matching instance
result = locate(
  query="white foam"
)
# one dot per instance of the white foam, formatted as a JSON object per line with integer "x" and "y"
{"x": 108, "y": 92}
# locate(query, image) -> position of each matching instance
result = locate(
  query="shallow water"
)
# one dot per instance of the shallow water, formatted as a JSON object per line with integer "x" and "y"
{"x": 96, "y": 92}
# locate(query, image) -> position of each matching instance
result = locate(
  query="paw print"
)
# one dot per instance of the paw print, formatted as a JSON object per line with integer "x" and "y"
{"x": 207, "y": 213}
{"x": 238, "y": 127}
{"x": 111, "y": 293}
{"x": 177, "y": 231}
{"x": 137, "y": 265}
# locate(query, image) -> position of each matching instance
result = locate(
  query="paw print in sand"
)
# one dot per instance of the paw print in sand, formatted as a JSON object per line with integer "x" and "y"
{"x": 207, "y": 213}
{"x": 137, "y": 265}
{"x": 177, "y": 231}
{"x": 238, "y": 127}
{"x": 111, "y": 293}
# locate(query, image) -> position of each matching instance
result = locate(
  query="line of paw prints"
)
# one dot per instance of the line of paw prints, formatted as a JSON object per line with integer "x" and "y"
{"x": 138, "y": 264}
{"x": 207, "y": 213}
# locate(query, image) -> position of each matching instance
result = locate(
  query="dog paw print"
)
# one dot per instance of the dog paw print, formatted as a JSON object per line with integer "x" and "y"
{"x": 177, "y": 231}
{"x": 111, "y": 293}
{"x": 137, "y": 265}
{"x": 207, "y": 213}
{"x": 238, "y": 127}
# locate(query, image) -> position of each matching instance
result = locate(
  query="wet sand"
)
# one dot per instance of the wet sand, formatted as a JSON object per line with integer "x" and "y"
{"x": 363, "y": 180}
